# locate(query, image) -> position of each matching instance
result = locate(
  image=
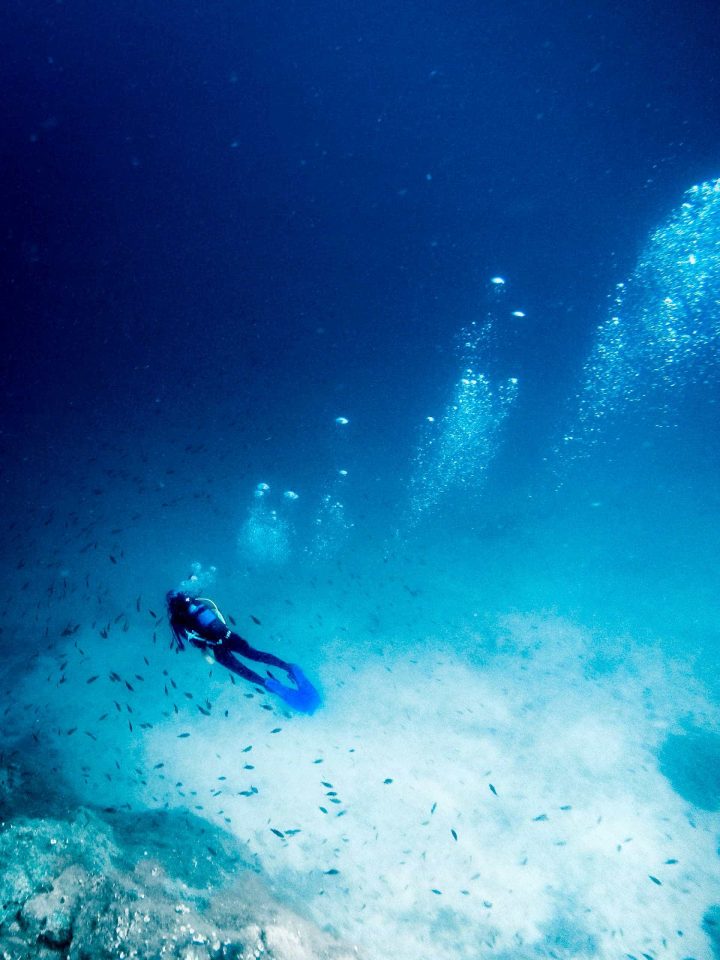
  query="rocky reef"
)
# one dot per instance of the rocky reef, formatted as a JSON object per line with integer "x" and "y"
{"x": 95, "y": 884}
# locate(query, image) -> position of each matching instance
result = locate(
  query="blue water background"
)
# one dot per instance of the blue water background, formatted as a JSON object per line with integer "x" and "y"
{"x": 226, "y": 225}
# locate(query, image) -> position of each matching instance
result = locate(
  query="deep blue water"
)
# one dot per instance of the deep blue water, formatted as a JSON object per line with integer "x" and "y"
{"x": 228, "y": 225}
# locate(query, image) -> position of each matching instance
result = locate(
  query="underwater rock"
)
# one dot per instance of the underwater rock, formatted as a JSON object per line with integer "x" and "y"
{"x": 85, "y": 890}
{"x": 49, "y": 916}
{"x": 711, "y": 926}
{"x": 691, "y": 762}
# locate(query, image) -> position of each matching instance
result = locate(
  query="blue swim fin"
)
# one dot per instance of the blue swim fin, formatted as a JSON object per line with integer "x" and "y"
{"x": 304, "y": 699}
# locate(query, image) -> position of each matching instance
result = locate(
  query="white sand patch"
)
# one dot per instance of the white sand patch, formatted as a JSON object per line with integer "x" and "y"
{"x": 514, "y": 804}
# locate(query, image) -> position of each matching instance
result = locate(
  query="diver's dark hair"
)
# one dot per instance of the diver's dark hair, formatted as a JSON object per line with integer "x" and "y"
{"x": 176, "y": 641}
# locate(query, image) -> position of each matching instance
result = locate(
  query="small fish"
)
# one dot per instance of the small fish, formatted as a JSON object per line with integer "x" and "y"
{"x": 655, "y": 880}
{"x": 152, "y": 613}
{"x": 112, "y": 558}
{"x": 454, "y": 834}
{"x": 246, "y": 749}
{"x": 71, "y": 731}
{"x": 493, "y": 789}
{"x": 332, "y": 873}
{"x": 671, "y": 861}
{"x": 203, "y": 710}
{"x": 438, "y": 892}
{"x": 276, "y": 730}
{"x": 278, "y": 833}
{"x": 158, "y": 766}
{"x": 387, "y": 780}
{"x": 542, "y": 816}
{"x": 255, "y": 619}
{"x": 181, "y": 736}
{"x": 92, "y": 679}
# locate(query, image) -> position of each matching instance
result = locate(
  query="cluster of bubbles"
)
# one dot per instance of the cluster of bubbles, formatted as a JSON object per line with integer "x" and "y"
{"x": 265, "y": 535}
{"x": 269, "y": 536}
{"x": 664, "y": 329}
{"x": 199, "y": 579}
{"x": 456, "y": 450}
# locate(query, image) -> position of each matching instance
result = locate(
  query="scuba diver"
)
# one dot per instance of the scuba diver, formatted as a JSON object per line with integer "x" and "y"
{"x": 198, "y": 620}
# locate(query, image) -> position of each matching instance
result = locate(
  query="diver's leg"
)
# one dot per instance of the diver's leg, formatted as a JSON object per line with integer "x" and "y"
{"x": 225, "y": 658}
{"x": 238, "y": 645}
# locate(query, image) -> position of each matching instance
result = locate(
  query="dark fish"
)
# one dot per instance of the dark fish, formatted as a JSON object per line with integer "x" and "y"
{"x": 438, "y": 892}
{"x": 276, "y": 730}
{"x": 454, "y": 834}
{"x": 112, "y": 558}
{"x": 71, "y": 731}
{"x": 493, "y": 789}
{"x": 152, "y": 613}
{"x": 203, "y": 710}
{"x": 137, "y": 604}
{"x": 278, "y": 833}
{"x": 92, "y": 679}
{"x": 332, "y": 873}
{"x": 255, "y": 619}
{"x": 671, "y": 861}
{"x": 655, "y": 880}
{"x": 388, "y": 780}
{"x": 232, "y": 620}
{"x": 247, "y": 749}
{"x": 181, "y": 736}
{"x": 542, "y": 816}
{"x": 158, "y": 765}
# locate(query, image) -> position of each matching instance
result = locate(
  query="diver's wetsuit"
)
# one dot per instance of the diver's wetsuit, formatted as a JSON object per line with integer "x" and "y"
{"x": 195, "y": 621}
